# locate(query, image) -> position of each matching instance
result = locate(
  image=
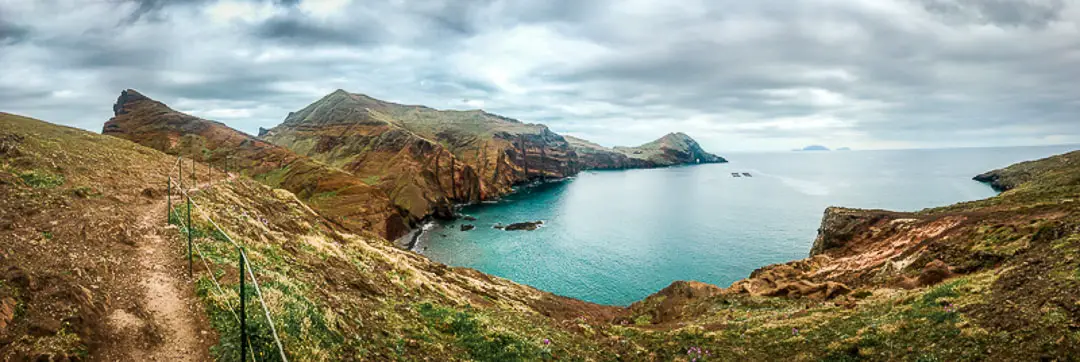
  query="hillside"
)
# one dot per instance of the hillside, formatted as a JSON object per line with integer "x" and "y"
{"x": 72, "y": 198}
{"x": 428, "y": 159}
{"x": 670, "y": 150}
{"x": 339, "y": 196}
{"x": 995, "y": 279}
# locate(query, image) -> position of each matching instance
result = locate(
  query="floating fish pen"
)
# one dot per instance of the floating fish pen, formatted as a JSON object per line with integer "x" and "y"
{"x": 735, "y": 174}
{"x": 747, "y": 174}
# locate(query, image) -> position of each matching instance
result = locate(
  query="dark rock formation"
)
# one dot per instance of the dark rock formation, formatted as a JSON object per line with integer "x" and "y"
{"x": 528, "y": 225}
{"x": 467, "y": 227}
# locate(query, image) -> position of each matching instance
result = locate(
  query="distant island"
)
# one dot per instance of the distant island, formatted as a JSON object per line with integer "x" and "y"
{"x": 814, "y": 148}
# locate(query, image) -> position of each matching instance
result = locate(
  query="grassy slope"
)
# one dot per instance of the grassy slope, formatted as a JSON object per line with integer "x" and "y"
{"x": 345, "y": 296}
{"x": 355, "y": 204}
{"x": 69, "y": 200}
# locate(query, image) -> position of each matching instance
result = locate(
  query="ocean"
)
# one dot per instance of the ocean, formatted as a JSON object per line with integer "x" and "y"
{"x": 614, "y": 237}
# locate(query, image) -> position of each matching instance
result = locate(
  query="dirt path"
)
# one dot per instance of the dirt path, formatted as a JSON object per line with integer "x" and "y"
{"x": 170, "y": 307}
{"x": 168, "y": 323}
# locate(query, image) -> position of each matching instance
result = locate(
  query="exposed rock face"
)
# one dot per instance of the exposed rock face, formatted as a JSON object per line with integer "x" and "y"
{"x": 427, "y": 159}
{"x": 839, "y": 225}
{"x": 354, "y": 204}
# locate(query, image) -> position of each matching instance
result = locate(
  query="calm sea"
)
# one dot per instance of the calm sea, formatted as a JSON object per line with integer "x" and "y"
{"x": 614, "y": 237}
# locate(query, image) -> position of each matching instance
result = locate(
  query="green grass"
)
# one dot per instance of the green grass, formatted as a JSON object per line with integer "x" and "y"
{"x": 371, "y": 180}
{"x": 41, "y": 179}
{"x": 479, "y": 340}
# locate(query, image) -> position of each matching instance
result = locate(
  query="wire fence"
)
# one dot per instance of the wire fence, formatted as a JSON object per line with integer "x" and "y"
{"x": 244, "y": 264}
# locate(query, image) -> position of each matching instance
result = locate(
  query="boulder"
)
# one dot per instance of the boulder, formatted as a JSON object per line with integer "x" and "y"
{"x": 934, "y": 272}
{"x": 467, "y": 227}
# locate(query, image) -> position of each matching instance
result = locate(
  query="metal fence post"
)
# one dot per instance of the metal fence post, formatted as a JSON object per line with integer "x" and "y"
{"x": 193, "y": 180}
{"x": 190, "y": 268}
{"x": 168, "y": 196}
{"x": 243, "y": 316}
{"x": 181, "y": 173}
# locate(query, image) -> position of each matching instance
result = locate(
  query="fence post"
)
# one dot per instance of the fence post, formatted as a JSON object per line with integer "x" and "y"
{"x": 180, "y": 162}
{"x": 168, "y": 196}
{"x": 243, "y": 316}
{"x": 193, "y": 180}
{"x": 190, "y": 265}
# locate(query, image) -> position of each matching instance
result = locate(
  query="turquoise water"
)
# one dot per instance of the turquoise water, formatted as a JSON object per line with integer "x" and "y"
{"x": 614, "y": 237}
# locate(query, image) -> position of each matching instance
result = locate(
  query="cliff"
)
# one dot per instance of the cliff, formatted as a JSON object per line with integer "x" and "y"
{"x": 428, "y": 159}
{"x": 339, "y": 196}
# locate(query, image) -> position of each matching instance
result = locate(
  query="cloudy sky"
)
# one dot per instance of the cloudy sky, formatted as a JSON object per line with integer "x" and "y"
{"x": 735, "y": 74}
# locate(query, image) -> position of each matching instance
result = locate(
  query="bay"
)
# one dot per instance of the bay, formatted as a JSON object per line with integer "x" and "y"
{"x": 614, "y": 237}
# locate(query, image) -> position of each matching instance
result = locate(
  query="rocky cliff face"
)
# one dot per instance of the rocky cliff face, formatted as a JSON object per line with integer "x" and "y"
{"x": 340, "y": 196}
{"x": 425, "y": 159}
{"x": 428, "y": 159}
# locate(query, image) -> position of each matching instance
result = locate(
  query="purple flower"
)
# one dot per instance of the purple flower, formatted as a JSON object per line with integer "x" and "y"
{"x": 794, "y": 331}
{"x": 547, "y": 341}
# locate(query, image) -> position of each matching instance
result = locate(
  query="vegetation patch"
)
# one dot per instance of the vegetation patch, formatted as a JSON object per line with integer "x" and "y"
{"x": 481, "y": 342}
{"x": 41, "y": 179}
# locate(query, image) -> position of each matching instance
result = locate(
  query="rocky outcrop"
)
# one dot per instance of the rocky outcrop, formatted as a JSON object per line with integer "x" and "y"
{"x": 678, "y": 300}
{"x": 839, "y": 225}
{"x": 671, "y": 150}
{"x": 340, "y": 196}
{"x": 528, "y": 225}
{"x": 1043, "y": 171}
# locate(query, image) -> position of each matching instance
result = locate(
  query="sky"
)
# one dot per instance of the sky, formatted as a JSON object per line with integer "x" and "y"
{"x": 736, "y": 75}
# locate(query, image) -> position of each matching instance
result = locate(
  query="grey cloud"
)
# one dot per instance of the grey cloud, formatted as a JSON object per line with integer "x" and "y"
{"x": 298, "y": 29}
{"x": 11, "y": 33}
{"x": 921, "y": 73}
{"x": 151, "y": 9}
{"x": 1028, "y": 13}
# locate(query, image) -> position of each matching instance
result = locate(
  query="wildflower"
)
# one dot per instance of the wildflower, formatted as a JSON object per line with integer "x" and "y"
{"x": 547, "y": 341}
{"x": 794, "y": 331}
